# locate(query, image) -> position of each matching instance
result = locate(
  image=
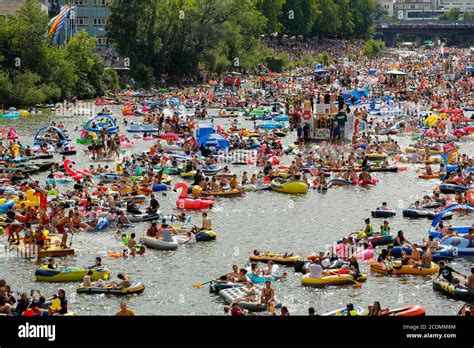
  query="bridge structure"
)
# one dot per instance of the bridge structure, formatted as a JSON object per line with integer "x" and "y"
{"x": 452, "y": 31}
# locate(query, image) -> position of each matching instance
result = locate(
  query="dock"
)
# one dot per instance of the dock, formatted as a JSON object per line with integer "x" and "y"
{"x": 51, "y": 249}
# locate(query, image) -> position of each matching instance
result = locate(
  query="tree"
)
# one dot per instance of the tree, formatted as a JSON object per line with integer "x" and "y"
{"x": 298, "y": 17}
{"x": 363, "y": 12}
{"x": 451, "y": 15}
{"x": 374, "y": 48}
{"x": 328, "y": 24}
{"x": 468, "y": 16}
{"x": 272, "y": 10}
{"x": 380, "y": 12}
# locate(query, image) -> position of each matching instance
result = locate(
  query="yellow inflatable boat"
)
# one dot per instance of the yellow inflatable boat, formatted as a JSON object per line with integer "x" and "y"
{"x": 399, "y": 269}
{"x": 336, "y": 280}
{"x": 292, "y": 187}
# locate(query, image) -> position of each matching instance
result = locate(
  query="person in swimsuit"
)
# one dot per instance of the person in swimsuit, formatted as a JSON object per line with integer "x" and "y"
{"x": 250, "y": 294}
{"x": 65, "y": 221}
{"x": 268, "y": 294}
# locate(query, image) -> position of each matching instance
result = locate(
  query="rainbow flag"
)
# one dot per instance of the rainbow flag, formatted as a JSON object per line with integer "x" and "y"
{"x": 57, "y": 22}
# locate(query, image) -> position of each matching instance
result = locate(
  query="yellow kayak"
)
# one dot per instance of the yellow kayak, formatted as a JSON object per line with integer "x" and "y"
{"x": 336, "y": 279}
{"x": 276, "y": 258}
{"x": 292, "y": 187}
{"x": 399, "y": 269}
{"x": 44, "y": 274}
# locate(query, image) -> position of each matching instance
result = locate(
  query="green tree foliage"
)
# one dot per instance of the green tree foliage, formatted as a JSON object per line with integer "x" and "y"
{"x": 298, "y": 17}
{"x": 468, "y": 16}
{"x": 380, "y": 12}
{"x": 451, "y": 15}
{"x": 34, "y": 71}
{"x": 373, "y": 48}
{"x": 272, "y": 10}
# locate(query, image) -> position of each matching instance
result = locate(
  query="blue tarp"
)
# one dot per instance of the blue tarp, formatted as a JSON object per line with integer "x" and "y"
{"x": 112, "y": 126}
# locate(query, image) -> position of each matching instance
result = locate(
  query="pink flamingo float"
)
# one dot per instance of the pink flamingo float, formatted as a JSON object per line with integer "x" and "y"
{"x": 75, "y": 174}
{"x": 185, "y": 202}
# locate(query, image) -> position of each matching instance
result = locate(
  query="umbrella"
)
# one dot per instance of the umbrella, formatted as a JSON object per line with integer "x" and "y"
{"x": 395, "y": 72}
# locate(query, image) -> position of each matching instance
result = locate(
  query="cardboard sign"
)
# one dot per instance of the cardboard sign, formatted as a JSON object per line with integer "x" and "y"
{"x": 449, "y": 148}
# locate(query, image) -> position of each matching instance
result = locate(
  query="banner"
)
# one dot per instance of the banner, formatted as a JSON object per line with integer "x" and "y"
{"x": 449, "y": 148}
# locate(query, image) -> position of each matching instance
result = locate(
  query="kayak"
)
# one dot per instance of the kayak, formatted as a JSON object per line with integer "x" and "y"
{"x": 399, "y": 269}
{"x": 336, "y": 279}
{"x": 232, "y": 294}
{"x": 44, "y": 274}
{"x": 453, "y": 291}
{"x": 428, "y": 176}
{"x": 379, "y": 213}
{"x": 159, "y": 244}
{"x": 452, "y": 188}
{"x": 135, "y": 288}
{"x": 276, "y": 258}
{"x": 342, "y": 312}
{"x": 408, "y": 311}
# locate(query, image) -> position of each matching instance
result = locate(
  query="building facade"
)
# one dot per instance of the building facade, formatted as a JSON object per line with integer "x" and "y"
{"x": 463, "y": 5}
{"x": 417, "y": 9}
{"x": 11, "y": 7}
{"x": 388, "y": 5}
{"x": 90, "y": 15}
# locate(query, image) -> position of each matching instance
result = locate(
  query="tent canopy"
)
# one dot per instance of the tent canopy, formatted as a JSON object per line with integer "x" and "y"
{"x": 50, "y": 129}
{"x": 214, "y": 140}
{"x": 395, "y": 72}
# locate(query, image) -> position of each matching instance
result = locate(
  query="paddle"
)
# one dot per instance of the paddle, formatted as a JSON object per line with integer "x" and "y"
{"x": 356, "y": 283}
{"x": 199, "y": 286}
{"x": 70, "y": 243}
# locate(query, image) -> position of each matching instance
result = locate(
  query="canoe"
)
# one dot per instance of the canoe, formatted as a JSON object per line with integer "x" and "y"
{"x": 44, "y": 274}
{"x": 135, "y": 288}
{"x": 452, "y": 291}
{"x": 399, "y": 269}
{"x": 159, "y": 244}
{"x": 331, "y": 280}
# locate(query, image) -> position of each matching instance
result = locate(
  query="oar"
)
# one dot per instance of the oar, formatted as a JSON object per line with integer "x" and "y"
{"x": 70, "y": 243}
{"x": 356, "y": 283}
{"x": 199, "y": 286}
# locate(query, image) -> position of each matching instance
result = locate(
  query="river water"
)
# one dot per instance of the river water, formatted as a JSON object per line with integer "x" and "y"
{"x": 267, "y": 221}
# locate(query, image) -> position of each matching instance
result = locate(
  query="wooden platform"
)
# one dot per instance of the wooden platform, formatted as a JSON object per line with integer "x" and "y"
{"x": 51, "y": 249}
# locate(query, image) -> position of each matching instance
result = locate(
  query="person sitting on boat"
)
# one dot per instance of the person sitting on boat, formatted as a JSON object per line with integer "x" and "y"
{"x": 447, "y": 273}
{"x": 125, "y": 281}
{"x": 122, "y": 219}
{"x": 268, "y": 271}
{"x": 132, "y": 208}
{"x": 97, "y": 264}
{"x": 250, "y": 294}
{"x": 415, "y": 258}
{"x": 268, "y": 294}
{"x": 315, "y": 270}
{"x": 231, "y": 275}
{"x": 400, "y": 239}
{"x": 50, "y": 264}
{"x": 62, "y": 309}
{"x": 384, "y": 206}
{"x": 431, "y": 244}
{"x": 375, "y": 310}
{"x": 167, "y": 232}
{"x": 426, "y": 258}
{"x": 385, "y": 228}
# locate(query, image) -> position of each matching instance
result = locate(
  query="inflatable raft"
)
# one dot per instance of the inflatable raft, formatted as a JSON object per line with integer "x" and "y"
{"x": 135, "y": 288}
{"x": 276, "y": 258}
{"x": 453, "y": 291}
{"x": 232, "y": 294}
{"x": 336, "y": 280}
{"x": 44, "y": 274}
{"x": 399, "y": 269}
{"x": 159, "y": 244}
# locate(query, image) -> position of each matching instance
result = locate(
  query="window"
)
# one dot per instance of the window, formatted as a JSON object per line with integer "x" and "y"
{"x": 100, "y": 22}
{"x": 101, "y": 41}
{"x": 100, "y": 2}
{"x": 82, "y": 21}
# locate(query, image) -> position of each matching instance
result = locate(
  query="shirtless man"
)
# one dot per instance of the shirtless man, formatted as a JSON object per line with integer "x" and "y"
{"x": 365, "y": 177}
{"x": 65, "y": 221}
{"x": 206, "y": 223}
{"x": 268, "y": 294}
